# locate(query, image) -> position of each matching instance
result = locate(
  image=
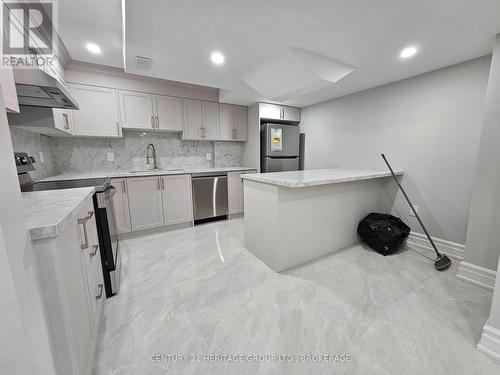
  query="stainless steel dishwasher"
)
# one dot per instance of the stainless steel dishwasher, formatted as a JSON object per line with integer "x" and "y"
{"x": 209, "y": 196}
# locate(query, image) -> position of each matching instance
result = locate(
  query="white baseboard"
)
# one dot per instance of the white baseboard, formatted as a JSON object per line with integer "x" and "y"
{"x": 489, "y": 343}
{"x": 478, "y": 275}
{"x": 419, "y": 241}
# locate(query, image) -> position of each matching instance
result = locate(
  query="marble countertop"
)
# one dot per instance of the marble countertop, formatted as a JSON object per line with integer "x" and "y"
{"x": 47, "y": 212}
{"x": 314, "y": 177}
{"x": 160, "y": 172}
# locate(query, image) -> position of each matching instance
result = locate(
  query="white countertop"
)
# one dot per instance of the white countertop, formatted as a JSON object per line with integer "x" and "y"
{"x": 47, "y": 212}
{"x": 160, "y": 172}
{"x": 314, "y": 177}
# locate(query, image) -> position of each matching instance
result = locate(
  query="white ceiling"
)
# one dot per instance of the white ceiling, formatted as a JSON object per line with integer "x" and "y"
{"x": 179, "y": 36}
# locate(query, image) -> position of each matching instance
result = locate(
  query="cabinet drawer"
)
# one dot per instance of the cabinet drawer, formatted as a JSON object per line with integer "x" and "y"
{"x": 97, "y": 296}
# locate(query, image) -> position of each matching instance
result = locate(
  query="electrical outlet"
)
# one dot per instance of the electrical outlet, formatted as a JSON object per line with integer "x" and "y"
{"x": 209, "y": 156}
{"x": 111, "y": 156}
{"x": 411, "y": 211}
{"x": 42, "y": 158}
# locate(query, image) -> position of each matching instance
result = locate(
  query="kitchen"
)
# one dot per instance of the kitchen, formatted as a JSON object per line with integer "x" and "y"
{"x": 192, "y": 208}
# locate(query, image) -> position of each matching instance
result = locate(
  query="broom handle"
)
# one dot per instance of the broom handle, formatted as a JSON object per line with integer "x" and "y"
{"x": 412, "y": 208}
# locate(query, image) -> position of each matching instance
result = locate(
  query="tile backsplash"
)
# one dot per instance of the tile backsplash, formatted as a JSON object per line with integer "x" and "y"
{"x": 33, "y": 144}
{"x": 75, "y": 155}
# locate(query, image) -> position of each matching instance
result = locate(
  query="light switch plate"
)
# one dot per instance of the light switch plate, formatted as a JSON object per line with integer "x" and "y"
{"x": 42, "y": 158}
{"x": 111, "y": 156}
{"x": 209, "y": 156}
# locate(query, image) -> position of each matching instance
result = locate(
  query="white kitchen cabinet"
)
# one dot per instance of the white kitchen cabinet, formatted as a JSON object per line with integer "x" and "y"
{"x": 240, "y": 123}
{"x": 193, "y": 119}
{"x": 235, "y": 191}
{"x": 168, "y": 112}
{"x": 98, "y": 115}
{"x": 268, "y": 111}
{"x": 120, "y": 203}
{"x": 233, "y": 122}
{"x": 9, "y": 91}
{"x": 226, "y": 122}
{"x": 145, "y": 202}
{"x": 210, "y": 121}
{"x": 177, "y": 199}
{"x": 201, "y": 120}
{"x": 136, "y": 110}
{"x": 62, "y": 120}
{"x": 72, "y": 290}
{"x": 291, "y": 114}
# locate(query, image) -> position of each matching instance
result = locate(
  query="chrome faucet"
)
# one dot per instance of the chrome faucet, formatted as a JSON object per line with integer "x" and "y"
{"x": 151, "y": 155}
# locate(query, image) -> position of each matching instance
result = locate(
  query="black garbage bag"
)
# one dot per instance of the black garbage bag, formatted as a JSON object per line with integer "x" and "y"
{"x": 383, "y": 233}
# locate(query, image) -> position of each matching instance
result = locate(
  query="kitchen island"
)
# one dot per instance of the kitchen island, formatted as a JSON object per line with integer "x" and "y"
{"x": 292, "y": 218}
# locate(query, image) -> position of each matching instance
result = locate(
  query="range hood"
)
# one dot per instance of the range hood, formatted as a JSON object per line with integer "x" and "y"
{"x": 38, "y": 89}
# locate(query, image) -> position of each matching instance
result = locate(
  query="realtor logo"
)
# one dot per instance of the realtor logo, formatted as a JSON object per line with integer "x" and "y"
{"x": 27, "y": 32}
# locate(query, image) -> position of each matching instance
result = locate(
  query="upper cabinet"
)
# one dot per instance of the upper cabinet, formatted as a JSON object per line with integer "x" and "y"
{"x": 201, "y": 120}
{"x": 233, "y": 122}
{"x": 146, "y": 111}
{"x": 136, "y": 110}
{"x": 98, "y": 114}
{"x": 168, "y": 112}
{"x": 278, "y": 112}
{"x": 9, "y": 92}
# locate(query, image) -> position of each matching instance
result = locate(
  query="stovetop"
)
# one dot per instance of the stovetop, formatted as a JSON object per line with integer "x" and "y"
{"x": 100, "y": 184}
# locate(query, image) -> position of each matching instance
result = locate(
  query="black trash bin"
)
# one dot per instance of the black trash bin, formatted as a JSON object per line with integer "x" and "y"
{"x": 383, "y": 233}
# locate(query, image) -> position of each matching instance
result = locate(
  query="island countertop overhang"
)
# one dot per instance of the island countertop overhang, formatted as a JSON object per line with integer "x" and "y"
{"x": 315, "y": 177}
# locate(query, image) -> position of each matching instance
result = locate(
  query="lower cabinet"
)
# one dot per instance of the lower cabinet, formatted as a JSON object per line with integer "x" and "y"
{"x": 145, "y": 201}
{"x": 72, "y": 290}
{"x": 235, "y": 191}
{"x": 120, "y": 203}
{"x": 177, "y": 199}
{"x": 159, "y": 201}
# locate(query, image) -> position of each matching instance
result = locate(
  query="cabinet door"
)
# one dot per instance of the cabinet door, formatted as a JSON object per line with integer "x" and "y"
{"x": 240, "y": 123}
{"x": 62, "y": 120}
{"x": 168, "y": 111}
{"x": 98, "y": 113}
{"x": 291, "y": 114}
{"x": 136, "y": 110}
{"x": 177, "y": 199}
{"x": 193, "y": 119}
{"x": 226, "y": 122}
{"x": 145, "y": 202}
{"x": 9, "y": 89}
{"x": 120, "y": 203}
{"x": 235, "y": 192}
{"x": 210, "y": 121}
{"x": 269, "y": 111}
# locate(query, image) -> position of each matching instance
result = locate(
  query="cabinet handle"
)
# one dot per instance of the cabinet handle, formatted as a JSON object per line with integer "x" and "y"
{"x": 66, "y": 123}
{"x": 95, "y": 248}
{"x": 157, "y": 122}
{"x": 118, "y": 127}
{"x": 163, "y": 184}
{"x": 158, "y": 183}
{"x": 99, "y": 294}
{"x": 124, "y": 188}
{"x": 153, "y": 122}
{"x": 83, "y": 221}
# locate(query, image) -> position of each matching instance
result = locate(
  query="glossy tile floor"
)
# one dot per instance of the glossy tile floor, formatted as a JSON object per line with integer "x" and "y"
{"x": 197, "y": 292}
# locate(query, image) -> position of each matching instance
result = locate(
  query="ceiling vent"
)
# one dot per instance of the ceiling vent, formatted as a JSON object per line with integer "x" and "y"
{"x": 143, "y": 62}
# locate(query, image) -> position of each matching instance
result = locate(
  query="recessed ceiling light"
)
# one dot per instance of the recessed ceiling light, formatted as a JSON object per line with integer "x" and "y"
{"x": 93, "y": 48}
{"x": 408, "y": 52}
{"x": 217, "y": 58}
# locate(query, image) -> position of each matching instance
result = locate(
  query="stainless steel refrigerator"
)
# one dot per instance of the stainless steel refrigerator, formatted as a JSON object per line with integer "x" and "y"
{"x": 279, "y": 147}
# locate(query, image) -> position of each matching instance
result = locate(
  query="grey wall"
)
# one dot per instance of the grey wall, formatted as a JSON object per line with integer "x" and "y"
{"x": 428, "y": 125}
{"x": 483, "y": 237}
